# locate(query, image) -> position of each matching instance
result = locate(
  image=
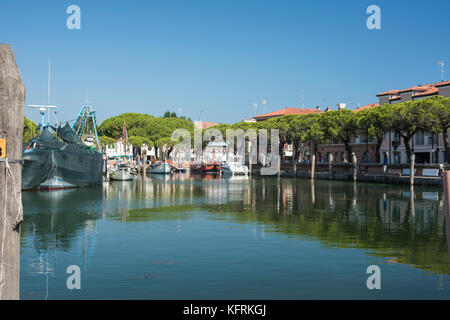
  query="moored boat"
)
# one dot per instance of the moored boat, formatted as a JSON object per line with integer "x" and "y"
{"x": 234, "y": 168}
{"x": 162, "y": 167}
{"x": 204, "y": 168}
{"x": 122, "y": 173}
{"x": 61, "y": 159}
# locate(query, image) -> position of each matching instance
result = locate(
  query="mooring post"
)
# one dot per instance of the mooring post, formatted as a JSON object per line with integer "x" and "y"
{"x": 138, "y": 162}
{"x": 355, "y": 167}
{"x": 446, "y": 178}
{"x": 330, "y": 166}
{"x": 411, "y": 174}
{"x": 313, "y": 166}
{"x": 279, "y": 165}
{"x": 144, "y": 162}
{"x": 250, "y": 162}
{"x": 12, "y": 104}
{"x": 294, "y": 161}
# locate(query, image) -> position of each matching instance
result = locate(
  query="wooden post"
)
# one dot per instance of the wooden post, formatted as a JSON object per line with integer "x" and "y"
{"x": 294, "y": 162}
{"x": 313, "y": 166}
{"x": 411, "y": 174}
{"x": 446, "y": 178}
{"x": 279, "y": 165}
{"x": 12, "y": 103}
{"x": 330, "y": 166}
{"x": 138, "y": 162}
{"x": 250, "y": 162}
{"x": 355, "y": 167}
{"x": 144, "y": 162}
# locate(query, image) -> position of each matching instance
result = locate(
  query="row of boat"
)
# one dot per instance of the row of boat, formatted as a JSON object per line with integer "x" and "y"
{"x": 125, "y": 172}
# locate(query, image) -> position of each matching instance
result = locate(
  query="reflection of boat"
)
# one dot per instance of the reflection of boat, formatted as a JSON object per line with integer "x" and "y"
{"x": 160, "y": 167}
{"x": 206, "y": 168}
{"x": 122, "y": 173}
{"x": 234, "y": 168}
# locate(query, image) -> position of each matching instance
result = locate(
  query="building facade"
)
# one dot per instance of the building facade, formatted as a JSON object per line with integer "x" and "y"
{"x": 428, "y": 148}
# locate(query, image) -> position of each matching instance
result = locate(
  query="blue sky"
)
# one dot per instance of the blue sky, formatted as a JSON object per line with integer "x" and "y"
{"x": 215, "y": 59}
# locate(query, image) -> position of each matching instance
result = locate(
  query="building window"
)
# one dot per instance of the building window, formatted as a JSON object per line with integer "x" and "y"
{"x": 420, "y": 138}
{"x": 396, "y": 157}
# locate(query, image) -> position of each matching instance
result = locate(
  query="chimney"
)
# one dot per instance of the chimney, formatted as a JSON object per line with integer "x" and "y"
{"x": 341, "y": 106}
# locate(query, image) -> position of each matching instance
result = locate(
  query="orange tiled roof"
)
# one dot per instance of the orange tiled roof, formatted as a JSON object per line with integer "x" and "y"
{"x": 429, "y": 91}
{"x": 421, "y": 90}
{"x": 287, "y": 111}
{"x": 387, "y": 92}
{"x": 204, "y": 124}
{"x": 439, "y": 84}
{"x": 367, "y": 106}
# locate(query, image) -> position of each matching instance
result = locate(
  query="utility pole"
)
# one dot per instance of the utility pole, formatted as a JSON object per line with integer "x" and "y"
{"x": 12, "y": 104}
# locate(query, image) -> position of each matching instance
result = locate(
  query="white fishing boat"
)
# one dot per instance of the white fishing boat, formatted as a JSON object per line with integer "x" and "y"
{"x": 160, "y": 168}
{"x": 234, "y": 169}
{"x": 122, "y": 173}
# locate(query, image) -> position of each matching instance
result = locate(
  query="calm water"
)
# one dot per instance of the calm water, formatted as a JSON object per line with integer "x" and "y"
{"x": 192, "y": 238}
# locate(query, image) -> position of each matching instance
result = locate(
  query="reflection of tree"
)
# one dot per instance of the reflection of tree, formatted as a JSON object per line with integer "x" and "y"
{"x": 385, "y": 220}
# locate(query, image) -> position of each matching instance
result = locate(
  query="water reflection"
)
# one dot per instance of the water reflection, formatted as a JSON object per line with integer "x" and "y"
{"x": 402, "y": 224}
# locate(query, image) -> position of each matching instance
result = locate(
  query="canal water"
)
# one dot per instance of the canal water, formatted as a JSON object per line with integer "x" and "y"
{"x": 181, "y": 237}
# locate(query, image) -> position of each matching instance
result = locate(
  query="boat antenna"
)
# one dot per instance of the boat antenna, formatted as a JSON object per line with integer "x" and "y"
{"x": 48, "y": 88}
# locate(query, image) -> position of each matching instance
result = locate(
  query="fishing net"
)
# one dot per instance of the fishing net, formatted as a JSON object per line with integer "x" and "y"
{"x": 69, "y": 160}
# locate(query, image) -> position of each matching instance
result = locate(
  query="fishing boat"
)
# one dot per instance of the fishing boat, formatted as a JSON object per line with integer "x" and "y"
{"x": 122, "y": 173}
{"x": 60, "y": 159}
{"x": 204, "y": 168}
{"x": 162, "y": 167}
{"x": 234, "y": 168}
{"x": 178, "y": 168}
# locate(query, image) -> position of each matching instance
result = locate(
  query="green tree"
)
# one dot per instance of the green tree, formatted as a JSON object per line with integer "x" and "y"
{"x": 340, "y": 126}
{"x": 437, "y": 119}
{"x": 29, "y": 130}
{"x": 106, "y": 141}
{"x": 375, "y": 122}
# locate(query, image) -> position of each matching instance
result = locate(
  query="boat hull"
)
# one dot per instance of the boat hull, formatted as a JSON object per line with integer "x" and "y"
{"x": 61, "y": 169}
{"x": 122, "y": 175}
{"x": 163, "y": 168}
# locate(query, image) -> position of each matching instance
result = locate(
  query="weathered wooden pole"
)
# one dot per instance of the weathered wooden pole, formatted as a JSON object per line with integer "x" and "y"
{"x": 446, "y": 178}
{"x": 279, "y": 165}
{"x": 138, "y": 162}
{"x": 294, "y": 162}
{"x": 330, "y": 166}
{"x": 12, "y": 104}
{"x": 411, "y": 174}
{"x": 250, "y": 162}
{"x": 355, "y": 167}
{"x": 313, "y": 166}
{"x": 144, "y": 162}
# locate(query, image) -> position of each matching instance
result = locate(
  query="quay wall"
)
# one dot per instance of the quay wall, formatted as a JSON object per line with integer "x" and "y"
{"x": 365, "y": 172}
